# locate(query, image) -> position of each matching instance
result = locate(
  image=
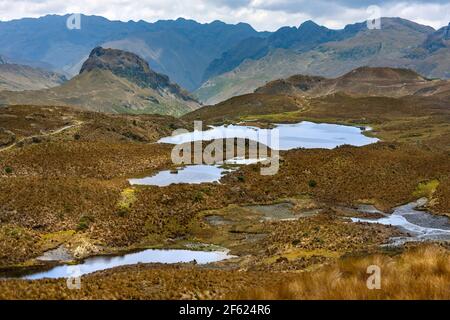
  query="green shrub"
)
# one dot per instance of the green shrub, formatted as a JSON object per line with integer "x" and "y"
{"x": 84, "y": 222}
{"x": 82, "y": 225}
{"x": 198, "y": 197}
{"x": 9, "y": 170}
{"x": 312, "y": 183}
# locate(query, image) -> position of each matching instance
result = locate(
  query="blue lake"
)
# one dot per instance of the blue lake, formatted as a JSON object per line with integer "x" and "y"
{"x": 284, "y": 136}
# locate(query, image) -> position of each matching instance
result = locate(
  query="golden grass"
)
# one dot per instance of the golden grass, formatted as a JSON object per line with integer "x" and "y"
{"x": 420, "y": 273}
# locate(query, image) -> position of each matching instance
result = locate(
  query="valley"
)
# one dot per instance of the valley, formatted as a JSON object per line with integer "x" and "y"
{"x": 90, "y": 189}
{"x": 70, "y": 188}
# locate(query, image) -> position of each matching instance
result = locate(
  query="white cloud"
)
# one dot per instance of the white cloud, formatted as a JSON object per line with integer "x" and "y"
{"x": 262, "y": 15}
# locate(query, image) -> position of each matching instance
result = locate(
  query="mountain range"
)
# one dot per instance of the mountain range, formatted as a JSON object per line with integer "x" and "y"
{"x": 399, "y": 43}
{"x": 217, "y": 61}
{"x": 182, "y": 49}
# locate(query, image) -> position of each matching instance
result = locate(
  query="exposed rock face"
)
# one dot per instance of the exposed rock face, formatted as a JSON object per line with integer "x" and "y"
{"x": 6, "y": 137}
{"x": 130, "y": 66}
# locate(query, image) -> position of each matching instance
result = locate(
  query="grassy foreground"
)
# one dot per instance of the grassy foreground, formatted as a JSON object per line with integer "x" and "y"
{"x": 419, "y": 273}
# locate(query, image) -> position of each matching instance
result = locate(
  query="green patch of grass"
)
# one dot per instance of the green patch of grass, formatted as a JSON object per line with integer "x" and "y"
{"x": 9, "y": 170}
{"x": 276, "y": 117}
{"x": 198, "y": 197}
{"x": 58, "y": 235}
{"x": 426, "y": 189}
{"x": 52, "y": 240}
{"x": 127, "y": 199}
{"x": 84, "y": 223}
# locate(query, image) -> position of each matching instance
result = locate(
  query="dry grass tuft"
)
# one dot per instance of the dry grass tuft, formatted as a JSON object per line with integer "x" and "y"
{"x": 420, "y": 273}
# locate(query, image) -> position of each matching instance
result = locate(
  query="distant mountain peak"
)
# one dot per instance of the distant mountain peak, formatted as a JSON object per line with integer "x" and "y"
{"x": 126, "y": 65}
{"x": 309, "y": 24}
{"x": 113, "y": 59}
{"x": 438, "y": 40}
{"x": 383, "y": 73}
{"x": 130, "y": 66}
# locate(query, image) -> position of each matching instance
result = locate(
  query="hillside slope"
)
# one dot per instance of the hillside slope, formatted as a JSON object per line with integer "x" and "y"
{"x": 364, "y": 81}
{"x": 352, "y": 97}
{"x": 112, "y": 81}
{"x": 301, "y": 39}
{"x": 16, "y": 77}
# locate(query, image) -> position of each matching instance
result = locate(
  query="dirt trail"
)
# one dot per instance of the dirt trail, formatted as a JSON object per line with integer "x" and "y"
{"x": 76, "y": 123}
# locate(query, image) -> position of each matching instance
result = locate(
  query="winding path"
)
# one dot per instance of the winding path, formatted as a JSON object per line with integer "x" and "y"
{"x": 76, "y": 123}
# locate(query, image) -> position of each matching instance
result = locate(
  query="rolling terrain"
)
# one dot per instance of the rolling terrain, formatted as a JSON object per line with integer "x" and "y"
{"x": 364, "y": 81}
{"x": 218, "y": 60}
{"x": 64, "y": 182}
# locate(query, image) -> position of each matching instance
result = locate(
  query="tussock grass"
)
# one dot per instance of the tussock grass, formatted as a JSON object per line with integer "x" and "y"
{"x": 420, "y": 273}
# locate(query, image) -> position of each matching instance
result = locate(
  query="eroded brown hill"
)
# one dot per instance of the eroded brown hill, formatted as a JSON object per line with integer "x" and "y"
{"x": 364, "y": 81}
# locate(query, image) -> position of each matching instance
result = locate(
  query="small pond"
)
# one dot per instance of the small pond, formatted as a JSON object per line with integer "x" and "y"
{"x": 147, "y": 256}
{"x": 194, "y": 174}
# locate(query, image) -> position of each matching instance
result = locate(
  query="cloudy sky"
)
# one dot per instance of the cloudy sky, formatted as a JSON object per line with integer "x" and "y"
{"x": 261, "y": 14}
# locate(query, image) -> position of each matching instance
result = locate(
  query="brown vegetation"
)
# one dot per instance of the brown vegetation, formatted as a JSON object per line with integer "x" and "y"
{"x": 418, "y": 273}
{"x": 54, "y": 185}
{"x": 143, "y": 282}
{"x": 246, "y": 105}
